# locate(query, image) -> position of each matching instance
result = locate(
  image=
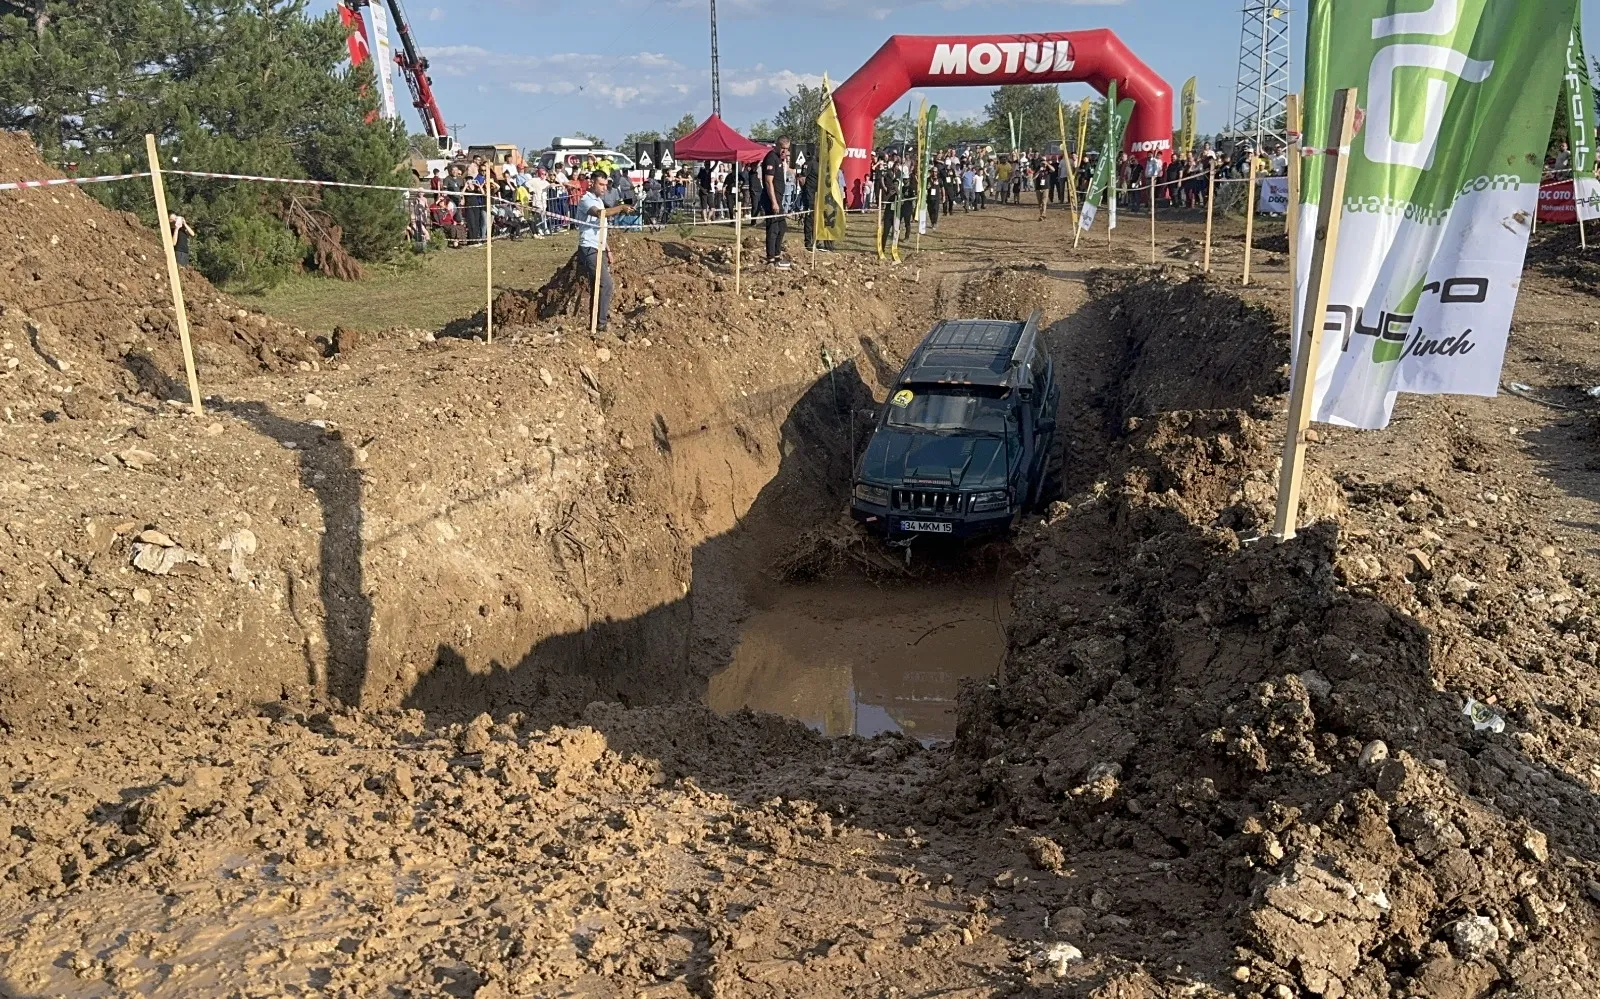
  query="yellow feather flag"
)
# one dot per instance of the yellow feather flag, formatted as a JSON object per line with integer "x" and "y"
{"x": 1186, "y": 135}
{"x": 1083, "y": 125}
{"x": 829, "y": 216}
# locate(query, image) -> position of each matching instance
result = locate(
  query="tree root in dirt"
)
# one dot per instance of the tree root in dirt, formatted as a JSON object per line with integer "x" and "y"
{"x": 825, "y": 552}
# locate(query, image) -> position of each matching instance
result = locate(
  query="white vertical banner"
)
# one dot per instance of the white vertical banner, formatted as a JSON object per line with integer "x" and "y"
{"x": 382, "y": 56}
{"x": 1443, "y": 185}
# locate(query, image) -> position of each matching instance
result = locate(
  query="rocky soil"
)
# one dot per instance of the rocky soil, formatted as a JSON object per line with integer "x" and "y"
{"x": 384, "y": 677}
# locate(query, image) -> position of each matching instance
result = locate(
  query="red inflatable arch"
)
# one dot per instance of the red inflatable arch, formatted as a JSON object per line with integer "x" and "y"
{"x": 906, "y": 61}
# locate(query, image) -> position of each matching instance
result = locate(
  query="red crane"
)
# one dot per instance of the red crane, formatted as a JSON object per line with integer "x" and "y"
{"x": 414, "y": 67}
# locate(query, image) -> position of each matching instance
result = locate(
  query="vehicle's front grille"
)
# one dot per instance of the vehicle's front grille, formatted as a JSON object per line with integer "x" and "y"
{"x": 927, "y": 501}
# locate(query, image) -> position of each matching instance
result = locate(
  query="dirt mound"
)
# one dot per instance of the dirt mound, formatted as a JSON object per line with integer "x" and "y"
{"x": 1271, "y": 729}
{"x": 1191, "y": 344}
{"x": 645, "y": 272}
{"x": 1273, "y": 242}
{"x": 1556, "y": 251}
{"x": 85, "y": 288}
{"x": 1006, "y": 292}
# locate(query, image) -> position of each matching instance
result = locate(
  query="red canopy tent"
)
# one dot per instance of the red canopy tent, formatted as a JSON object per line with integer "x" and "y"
{"x": 714, "y": 140}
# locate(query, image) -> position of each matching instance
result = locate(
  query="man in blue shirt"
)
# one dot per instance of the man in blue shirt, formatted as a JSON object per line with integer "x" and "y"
{"x": 591, "y": 206}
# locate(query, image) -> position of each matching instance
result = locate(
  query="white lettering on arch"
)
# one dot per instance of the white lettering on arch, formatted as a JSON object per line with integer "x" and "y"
{"x": 984, "y": 58}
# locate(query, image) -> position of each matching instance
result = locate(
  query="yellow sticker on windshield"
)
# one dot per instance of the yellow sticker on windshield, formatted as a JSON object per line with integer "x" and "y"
{"x": 901, "y": 399}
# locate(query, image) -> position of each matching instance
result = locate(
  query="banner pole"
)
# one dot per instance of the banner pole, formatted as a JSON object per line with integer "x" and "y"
{"x": 174, "y": 279}
{"x": 738, "y": 232}
{"x": 1291, "y": 215}
{"x": 1330, "y": 211}
{"x": 488, "y": 262}
{"x": 1250, "y": 216}
{"x": 599, "y": 271}
{"x": 1577, "y": 210}
{"x": 1211, "y": 205}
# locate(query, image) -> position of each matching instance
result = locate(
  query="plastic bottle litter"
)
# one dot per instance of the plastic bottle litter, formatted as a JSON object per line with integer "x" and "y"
{"x": 1484, "y": 717}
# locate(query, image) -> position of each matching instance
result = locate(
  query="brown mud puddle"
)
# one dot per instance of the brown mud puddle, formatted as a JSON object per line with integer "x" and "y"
{"x": 851, "y": 658}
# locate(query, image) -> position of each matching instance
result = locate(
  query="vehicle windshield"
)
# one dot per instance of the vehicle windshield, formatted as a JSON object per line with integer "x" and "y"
{"x": 981, "y": 410}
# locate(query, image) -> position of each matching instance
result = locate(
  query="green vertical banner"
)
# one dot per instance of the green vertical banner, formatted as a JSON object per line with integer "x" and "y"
{"x": 1443, "y": 184}
{"x": 1117, "y": 115}
{"x": 1578, "y": 96}
{"x": 1189, "y": 102}
{"x": 925, "y": 163}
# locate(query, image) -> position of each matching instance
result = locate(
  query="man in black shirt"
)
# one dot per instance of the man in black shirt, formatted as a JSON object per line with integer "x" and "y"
{"x": 703, "y": 182}
{"x": 772, "y": 186}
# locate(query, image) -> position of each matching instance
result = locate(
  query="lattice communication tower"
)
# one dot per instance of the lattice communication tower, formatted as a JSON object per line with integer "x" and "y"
{"x": 1261, "y": 94}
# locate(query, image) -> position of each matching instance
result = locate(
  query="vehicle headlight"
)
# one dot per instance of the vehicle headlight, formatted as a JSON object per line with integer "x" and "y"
{"x": 876, "y": 495}
{"x": 995, "y": 499}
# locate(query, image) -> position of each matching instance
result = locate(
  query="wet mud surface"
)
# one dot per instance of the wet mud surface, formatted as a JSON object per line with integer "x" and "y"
{"x": 857, "y": 658}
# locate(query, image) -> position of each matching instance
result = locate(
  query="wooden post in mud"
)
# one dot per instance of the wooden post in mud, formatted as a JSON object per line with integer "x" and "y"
{"x": 488, "y": 263}
{"x": 1292, "y": 213}
{"x": 1211, "y": 207}
{"x": 877, "y": 231}
{"x": 1330, "y": 209}
{"x": 738, "y": 237}
{"x": 1250, "y": 214}
{"x": 599, "y": 273}
{"x": 1152, "y": 220}
{"x": 174, "y": 279}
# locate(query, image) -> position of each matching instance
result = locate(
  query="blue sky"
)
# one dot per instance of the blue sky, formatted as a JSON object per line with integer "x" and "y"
{"x": 523, "y": 71}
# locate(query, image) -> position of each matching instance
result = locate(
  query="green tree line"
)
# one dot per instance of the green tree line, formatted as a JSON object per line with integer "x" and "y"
{"x": 229, "y": 86}
{"x": 1034, "y": 106}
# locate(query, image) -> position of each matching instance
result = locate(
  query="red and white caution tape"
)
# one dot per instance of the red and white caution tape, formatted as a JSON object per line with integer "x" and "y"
{"x": 20, "y": 185}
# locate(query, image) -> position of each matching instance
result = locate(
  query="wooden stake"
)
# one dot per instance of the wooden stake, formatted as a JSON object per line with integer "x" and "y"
{"x": 1152, "y": 220}
{"x": 1330, "y": 210}
{"x": 1250, "y": 216}
{"x": 1111, "y": 204}
{"x": 164, "y": 224}
{"x": 1072, "y": 187}
{"x": 1292, "y": 215}
{"x": 738, "y": 236}
{"x": 1211, "y": 205}
{"x": 877, "y": 238}
{"x": 488, "y": 267}
{"x": 599, "y": 271}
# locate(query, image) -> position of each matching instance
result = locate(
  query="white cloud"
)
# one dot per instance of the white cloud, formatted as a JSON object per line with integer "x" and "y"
{"x": 436, "y": 14}
{"x": 641, "y": 79}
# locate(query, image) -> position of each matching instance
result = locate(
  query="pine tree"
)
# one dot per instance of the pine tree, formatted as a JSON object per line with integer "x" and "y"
{"x": 231, "y": 86}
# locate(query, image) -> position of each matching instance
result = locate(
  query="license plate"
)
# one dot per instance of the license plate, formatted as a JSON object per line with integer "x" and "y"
{"x": 926, "y": 526}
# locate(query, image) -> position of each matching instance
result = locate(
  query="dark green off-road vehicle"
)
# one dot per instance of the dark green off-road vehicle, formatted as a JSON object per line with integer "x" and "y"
{"x": 966, "y": 442}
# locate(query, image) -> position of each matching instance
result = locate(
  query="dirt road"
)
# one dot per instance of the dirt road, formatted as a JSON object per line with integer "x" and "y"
{"x": 446, "y": 728}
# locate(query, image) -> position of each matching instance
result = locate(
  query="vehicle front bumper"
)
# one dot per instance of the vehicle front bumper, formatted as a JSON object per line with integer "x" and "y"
{"x": 883, "y": 521}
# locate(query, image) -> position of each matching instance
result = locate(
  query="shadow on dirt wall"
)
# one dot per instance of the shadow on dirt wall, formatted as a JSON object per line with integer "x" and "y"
{"x": 338, "y": 666}
{"x": 668, "y": 653}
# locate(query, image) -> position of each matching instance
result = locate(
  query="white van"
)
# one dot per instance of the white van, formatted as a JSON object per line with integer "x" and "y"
{"x": 572, "y": 152}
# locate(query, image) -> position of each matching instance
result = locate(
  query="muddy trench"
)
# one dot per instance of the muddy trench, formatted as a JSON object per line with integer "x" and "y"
{"x": 871, "y": 647}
